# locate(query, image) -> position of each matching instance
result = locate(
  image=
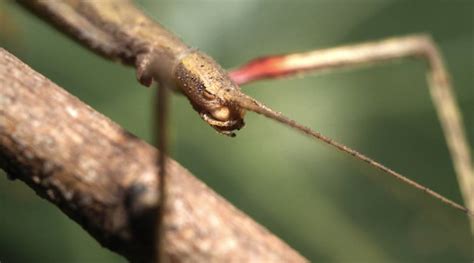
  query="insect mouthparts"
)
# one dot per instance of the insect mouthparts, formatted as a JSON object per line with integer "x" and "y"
{"x": 208, "y": 88}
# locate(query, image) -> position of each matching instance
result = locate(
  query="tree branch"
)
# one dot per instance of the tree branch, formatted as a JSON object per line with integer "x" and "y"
{"x": 105, "y": 179}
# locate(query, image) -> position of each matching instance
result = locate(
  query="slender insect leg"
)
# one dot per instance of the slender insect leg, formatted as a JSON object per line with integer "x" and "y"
{"x": 161, "y": 114}
{"x": 417, "y": 46}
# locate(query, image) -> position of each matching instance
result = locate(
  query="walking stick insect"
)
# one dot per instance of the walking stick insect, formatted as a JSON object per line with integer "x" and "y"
{"x": 219, "y": 120}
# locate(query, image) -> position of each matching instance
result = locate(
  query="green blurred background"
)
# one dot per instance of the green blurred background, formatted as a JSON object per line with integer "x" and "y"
{"x": 324, "y": 204}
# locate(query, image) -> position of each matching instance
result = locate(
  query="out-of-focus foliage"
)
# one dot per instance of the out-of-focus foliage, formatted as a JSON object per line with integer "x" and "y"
{"x": 327, "y": 206}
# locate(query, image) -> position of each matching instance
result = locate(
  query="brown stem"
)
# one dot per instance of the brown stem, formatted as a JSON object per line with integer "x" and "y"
{"x": 105, "y": 179}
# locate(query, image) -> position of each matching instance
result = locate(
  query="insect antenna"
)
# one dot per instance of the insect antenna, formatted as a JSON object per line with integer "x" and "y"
{"x": 251, "y": 104}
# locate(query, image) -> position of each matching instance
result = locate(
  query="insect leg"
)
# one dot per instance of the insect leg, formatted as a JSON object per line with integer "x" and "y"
{"x": 415, "y": 46}
{"x": 161, "y": 114}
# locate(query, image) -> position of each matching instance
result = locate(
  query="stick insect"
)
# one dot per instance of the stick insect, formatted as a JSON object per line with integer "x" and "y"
{"x": 218, "y": 99}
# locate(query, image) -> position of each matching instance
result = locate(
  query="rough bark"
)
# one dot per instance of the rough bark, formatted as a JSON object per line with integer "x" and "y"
{"x": 105, "y": 179}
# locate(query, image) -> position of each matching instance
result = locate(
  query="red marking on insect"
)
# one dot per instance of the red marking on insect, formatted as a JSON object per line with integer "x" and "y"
{"x": 261, "y": 68}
